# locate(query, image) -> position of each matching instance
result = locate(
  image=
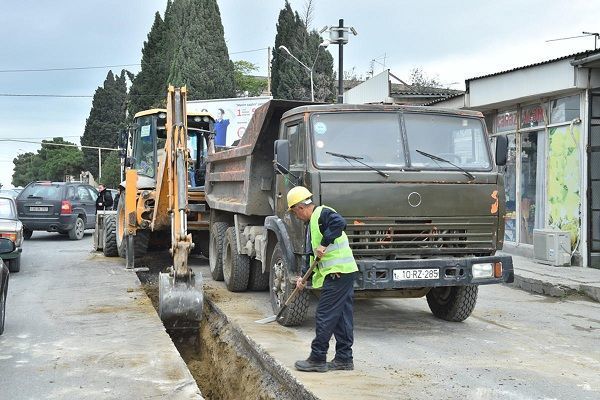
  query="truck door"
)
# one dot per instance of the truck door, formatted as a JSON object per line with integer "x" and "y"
{"x": 294, "y": 132}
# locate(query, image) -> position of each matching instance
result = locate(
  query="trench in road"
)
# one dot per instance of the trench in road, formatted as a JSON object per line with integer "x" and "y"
{"x": 222, "y": 360}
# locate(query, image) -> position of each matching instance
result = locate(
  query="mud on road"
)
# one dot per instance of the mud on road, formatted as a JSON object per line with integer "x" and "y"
{"x": 225, "y": 363}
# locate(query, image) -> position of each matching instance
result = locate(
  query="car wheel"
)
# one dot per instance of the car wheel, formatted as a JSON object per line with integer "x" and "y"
{"x": 3, "y": 307}
{"x": 14, "y": 265}
{"x": 27, "y": 233}
{"x": 77, "y": 232}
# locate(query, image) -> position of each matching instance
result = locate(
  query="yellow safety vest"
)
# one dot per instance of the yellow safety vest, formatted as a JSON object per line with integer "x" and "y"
{"x": 338, "y": 257}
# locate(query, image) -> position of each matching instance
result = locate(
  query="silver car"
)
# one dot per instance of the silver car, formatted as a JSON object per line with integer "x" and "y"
{"x": 11, "y": 228}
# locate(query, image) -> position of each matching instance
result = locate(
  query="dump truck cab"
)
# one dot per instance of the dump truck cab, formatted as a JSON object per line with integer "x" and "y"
{"x": 419, "y": 187}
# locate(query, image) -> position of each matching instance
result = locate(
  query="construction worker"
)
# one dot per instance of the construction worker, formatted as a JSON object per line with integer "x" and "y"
{"x": 104, "y": 200}
{"x": 334, "y": 275}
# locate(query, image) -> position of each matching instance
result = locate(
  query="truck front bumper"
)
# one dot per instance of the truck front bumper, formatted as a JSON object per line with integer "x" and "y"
{"x": 379, "y": 274}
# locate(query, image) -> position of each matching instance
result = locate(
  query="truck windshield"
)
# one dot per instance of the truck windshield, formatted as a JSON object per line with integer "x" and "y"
{"x": 457, "y": 139}
{"x": 143, "y": 150}
{"x": 374, "y": 137}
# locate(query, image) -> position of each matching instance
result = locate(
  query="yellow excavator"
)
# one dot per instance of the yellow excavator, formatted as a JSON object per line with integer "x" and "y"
{"x": 162, "y": 203}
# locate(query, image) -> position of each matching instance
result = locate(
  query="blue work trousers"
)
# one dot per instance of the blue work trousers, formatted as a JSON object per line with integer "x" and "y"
{"x": 334, "y": 316}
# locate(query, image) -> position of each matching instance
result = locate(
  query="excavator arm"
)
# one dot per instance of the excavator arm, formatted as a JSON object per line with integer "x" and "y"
{"x": 180, "y": 300}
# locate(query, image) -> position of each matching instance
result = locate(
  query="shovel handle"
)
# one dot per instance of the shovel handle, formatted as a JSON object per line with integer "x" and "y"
{"x": 304, "y": 279}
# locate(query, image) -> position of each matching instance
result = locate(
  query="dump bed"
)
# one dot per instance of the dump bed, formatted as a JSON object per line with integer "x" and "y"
{"x": 241, "y": 179}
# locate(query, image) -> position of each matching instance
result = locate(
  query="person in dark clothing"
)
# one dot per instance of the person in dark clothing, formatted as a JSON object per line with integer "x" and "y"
{"x": 117, "y": 198}
{"x": 104, "y": 200}
{"x": 334, "y": 274}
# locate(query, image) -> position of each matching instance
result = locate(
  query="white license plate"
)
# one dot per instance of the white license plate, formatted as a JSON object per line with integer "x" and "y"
{"x": 38, "y": 208}
{"x": 416, "y": 274}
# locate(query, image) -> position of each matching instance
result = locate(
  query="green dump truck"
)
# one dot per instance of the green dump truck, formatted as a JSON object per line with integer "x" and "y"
{"x": 420, "y": 189}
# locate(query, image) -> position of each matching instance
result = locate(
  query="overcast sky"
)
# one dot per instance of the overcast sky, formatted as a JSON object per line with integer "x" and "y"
{"x": 452, "y": 41}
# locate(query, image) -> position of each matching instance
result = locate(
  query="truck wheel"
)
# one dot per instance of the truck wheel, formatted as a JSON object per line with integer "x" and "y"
{"x": 236, "y": 266}
{"x": 258, "y": 281}
{"x": 14, "y": 265}
{"x": 78, "y": 230}
{"x": 110, "y": 236}
{"x": 452, "y": 303}
{"x": 215, "y": 252}
{"x": 280, "y": 288}
{"x": 27, "y": 233}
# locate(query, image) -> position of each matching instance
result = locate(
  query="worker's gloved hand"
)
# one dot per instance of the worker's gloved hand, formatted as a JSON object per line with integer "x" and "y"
{"x": 299, "y": 284}
{"x": 321, "y": 251}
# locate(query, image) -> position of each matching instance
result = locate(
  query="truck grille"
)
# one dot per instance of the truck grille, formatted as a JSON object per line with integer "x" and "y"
{"x": 405, "y": 238}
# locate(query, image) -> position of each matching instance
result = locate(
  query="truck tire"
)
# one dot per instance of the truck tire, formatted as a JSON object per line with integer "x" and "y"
{"x": 236, "y": 266}
{"x": 280, "y": 288}
{"x": 452, "y": 303}
{"x": 215, "y": 246}
{"x": 110, "y": 236}
{"x": 258, "y": 281}
{"x": 14, "y": 265}
{"x": 78, "y": 230}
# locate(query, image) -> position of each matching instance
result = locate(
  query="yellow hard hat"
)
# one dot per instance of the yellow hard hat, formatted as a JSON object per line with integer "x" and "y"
{"x": 296, "y": 195}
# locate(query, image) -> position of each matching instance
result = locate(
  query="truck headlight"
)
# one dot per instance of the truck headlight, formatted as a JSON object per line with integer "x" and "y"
{"x": 483, "y": 270}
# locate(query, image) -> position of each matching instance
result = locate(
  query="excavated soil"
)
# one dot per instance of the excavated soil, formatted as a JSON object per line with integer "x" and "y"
{"x": 222, "y": 360}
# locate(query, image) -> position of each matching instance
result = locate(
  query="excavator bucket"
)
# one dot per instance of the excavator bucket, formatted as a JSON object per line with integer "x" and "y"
{"x": 180, "y": 301}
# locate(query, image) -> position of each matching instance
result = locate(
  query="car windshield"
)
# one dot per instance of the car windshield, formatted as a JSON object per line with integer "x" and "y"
{"x": 7, "y": 210}
{"x": 374, "y": 138}
{"x": 46, "y": 191}
{"x": 457, "y": 139}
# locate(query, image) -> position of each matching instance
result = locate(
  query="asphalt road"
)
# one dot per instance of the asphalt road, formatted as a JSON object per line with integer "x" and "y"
{"x": 78, "y": 326}
{"x": 516, "y": 345}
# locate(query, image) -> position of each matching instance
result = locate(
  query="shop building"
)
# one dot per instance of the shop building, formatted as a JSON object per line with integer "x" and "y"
{"x": 550, "y": 113}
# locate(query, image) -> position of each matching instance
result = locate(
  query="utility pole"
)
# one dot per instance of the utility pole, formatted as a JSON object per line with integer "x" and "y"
{"x": 339, "y": 35}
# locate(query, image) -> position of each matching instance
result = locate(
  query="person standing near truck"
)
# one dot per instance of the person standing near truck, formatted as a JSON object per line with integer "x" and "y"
{"x": 104, "y": 200}
{"x": 334, "y": 275}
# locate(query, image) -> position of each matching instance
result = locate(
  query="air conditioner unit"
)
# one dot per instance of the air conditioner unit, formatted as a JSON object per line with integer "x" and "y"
{"x": 552, "y": 247}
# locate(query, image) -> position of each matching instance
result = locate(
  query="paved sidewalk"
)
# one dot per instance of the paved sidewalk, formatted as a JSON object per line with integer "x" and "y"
{"x": 79, "y": 326}
{"x": 555, "y": 281}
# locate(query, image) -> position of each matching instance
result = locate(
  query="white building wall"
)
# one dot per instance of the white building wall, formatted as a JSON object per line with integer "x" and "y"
{"x": 374, "y": 90}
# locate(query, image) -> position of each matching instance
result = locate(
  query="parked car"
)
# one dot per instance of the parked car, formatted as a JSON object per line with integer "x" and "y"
{"x": 8, "y": 192}
{"x": 7, "y": 246}
{"x": 64, "y": 207}
{"x": 11, "y": 228}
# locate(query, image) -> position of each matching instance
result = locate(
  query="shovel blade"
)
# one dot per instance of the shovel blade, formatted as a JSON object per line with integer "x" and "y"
{"x": 180, "y": 302}
{"x": 267, "y": 320}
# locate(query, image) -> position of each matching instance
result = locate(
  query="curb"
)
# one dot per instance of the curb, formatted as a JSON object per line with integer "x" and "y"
{"x": 538, "y": 286}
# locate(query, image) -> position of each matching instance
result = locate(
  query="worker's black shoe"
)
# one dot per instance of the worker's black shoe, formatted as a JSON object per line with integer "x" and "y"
{"x": 309, "y": 365}
{"x": 338, "y": 365}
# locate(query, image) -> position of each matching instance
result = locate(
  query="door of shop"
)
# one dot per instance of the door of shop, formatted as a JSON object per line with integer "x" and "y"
{"x": 593, "y": 150}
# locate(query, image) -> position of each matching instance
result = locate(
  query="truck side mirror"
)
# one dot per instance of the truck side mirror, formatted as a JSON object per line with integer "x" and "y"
{"x": 501, "y": 150}
{"x": 282, "y": 156}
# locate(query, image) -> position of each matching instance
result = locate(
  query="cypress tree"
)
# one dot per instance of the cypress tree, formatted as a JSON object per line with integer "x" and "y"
{"x": 290, "y": 80}
{"x": 200, "y": 59}
{"x": 106, "y": 119}
{"x": 149, "y": 87}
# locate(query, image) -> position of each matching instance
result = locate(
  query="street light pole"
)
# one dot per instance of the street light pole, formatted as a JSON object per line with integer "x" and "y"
{"x": 310, "y": 71}
{"x": 339, "y": 35}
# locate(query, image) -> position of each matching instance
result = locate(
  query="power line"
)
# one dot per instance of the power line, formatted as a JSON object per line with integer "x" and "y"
{"x": 63, "y": 95}
{"x": 99, "y": 66}
{"x": 66, "y": 68}
{"x": 59, "y": 144}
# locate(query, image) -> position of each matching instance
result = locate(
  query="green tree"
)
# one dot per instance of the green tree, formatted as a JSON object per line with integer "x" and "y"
{"x": 149, "y": 86}
{"x": 50, "y": 162}
{"x": 111, "y": 170}
{"x": 290, "y": 80}
{"x": 200, "y": 57}
{"x": 420, "y": 81}
{"x": 107, "y": 118}
{"x": 245, "y": 82}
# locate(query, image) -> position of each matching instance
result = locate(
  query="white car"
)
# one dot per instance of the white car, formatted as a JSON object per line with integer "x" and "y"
{"x": 11, "y": 228}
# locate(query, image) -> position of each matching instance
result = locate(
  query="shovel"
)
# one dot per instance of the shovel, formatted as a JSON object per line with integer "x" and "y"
{"x": 274, "y": 318}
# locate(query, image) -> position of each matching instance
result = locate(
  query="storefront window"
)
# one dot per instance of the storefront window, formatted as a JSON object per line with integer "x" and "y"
{"x": 531, "y": 185}
{"x": 510, "y": 182}
{"x": 532, "y": 116}
{"x": 506, "y": 121}
{"x": 565, "y": 109}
